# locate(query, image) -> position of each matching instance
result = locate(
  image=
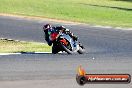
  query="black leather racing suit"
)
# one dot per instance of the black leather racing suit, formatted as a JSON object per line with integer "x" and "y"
{"x": 58, "y": 29}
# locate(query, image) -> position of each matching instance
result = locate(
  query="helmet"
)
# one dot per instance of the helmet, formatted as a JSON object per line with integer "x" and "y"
{"x": 62, "y": 27}
{"x": 67, "y": 30}
{"x": 46, "y": 27}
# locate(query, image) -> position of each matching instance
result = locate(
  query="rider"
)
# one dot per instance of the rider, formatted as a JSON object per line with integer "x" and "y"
{"x": 48, "y": 27}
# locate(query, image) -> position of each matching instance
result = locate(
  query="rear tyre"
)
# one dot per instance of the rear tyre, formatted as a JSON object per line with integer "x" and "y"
{"x": 66, "y": 49}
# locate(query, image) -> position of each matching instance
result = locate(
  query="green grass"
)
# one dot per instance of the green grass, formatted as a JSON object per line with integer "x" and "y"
{"x": 7, "y": 46}
{"x": 102, "y": 12}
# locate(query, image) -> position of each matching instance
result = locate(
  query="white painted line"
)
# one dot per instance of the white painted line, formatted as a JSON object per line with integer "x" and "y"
{"x": 123, "y": 28}
{"x": 98, "y": 26}
{"x": 129, "y": 29}
{"x": 10, "y": 53}
{"x": 17, "y": 40}
{"x": 26, "y": 53}
{"x": 118, "y": 28}
{"x": 2, "y": 38}
{"x": 41, "y": 52}
{"x": 10, "y": 39}
{"x": 107, "y": 27}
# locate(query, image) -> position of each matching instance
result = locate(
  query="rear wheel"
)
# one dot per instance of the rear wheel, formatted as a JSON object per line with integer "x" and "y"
{"x": 66, "y": 49}
{"x": 66, "y": 46}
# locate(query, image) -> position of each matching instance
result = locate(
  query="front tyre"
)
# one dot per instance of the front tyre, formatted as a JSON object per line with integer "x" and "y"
{"x": 81, "y": 50}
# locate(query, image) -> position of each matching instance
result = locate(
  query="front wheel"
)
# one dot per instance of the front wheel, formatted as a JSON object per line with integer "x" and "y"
{"x": 81, "y": 50}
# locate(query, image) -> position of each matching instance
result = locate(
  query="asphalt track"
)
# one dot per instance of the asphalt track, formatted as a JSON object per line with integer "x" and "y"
{"x": 107, "y": 51}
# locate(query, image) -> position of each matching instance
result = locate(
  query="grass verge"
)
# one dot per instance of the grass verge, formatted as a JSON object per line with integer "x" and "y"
{"x": 102, "y": 12}
{"x": 7, "y": 46}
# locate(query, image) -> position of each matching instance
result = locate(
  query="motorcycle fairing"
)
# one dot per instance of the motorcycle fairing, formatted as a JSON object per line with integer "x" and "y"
{"x": 74, "y": 44}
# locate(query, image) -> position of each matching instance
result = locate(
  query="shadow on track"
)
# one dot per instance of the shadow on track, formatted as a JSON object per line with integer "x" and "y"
{"x": 46, "y": 53}
{"x": 49, "y": 53}
{"x": 35, "y": 52}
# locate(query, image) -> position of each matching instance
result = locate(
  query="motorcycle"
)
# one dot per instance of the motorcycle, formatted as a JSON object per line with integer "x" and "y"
{"x": 64, "y": 42}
